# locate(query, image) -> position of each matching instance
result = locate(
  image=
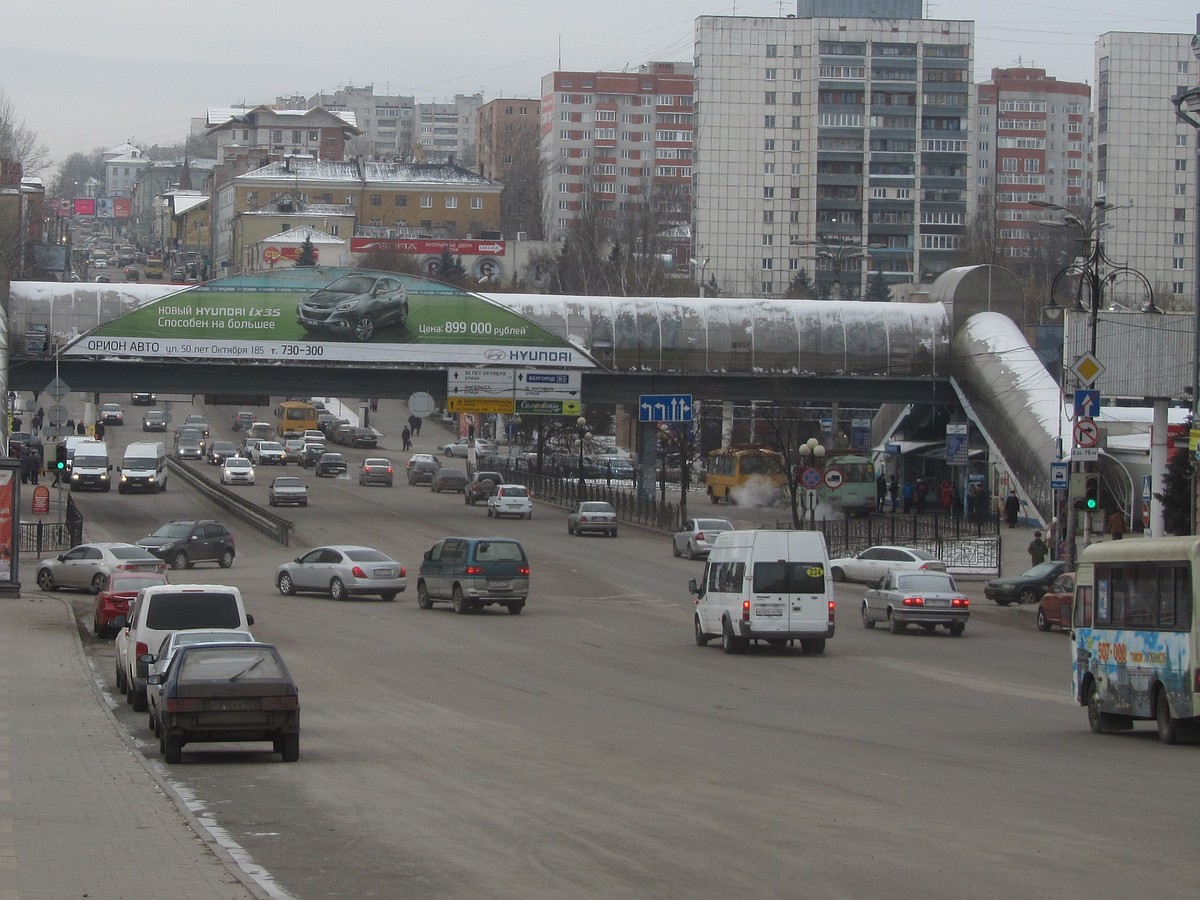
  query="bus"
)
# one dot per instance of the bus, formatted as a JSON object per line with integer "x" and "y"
{"x": 1136, "y": 634}
{"x": 154, "y": 268}
{"x": 294, "y": 417}
{"x": 855, "y": 493}
{"x": 747, "y": 473}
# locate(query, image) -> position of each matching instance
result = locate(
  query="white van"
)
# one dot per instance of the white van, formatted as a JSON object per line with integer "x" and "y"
{"x": 765, "y": 585}
{"x": 90, "y": 468}
{"x": 144, "y": 467}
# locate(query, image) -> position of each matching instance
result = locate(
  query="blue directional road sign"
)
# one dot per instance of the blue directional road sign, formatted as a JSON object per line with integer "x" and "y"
{"x": 1087, "y": 404}
{"x": 1059, "y": 475}
{"x": 665, "y": 408}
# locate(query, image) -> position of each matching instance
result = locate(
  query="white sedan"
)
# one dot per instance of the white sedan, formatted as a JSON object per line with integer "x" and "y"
{"x": 873, "y": 563}
{"x": 461, "y": 447}
{"x": 237, "y": 470}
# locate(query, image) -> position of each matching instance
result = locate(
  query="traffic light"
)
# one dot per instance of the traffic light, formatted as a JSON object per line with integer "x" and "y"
{"x": 60, "y": 457}
{"x": 1091, "y": 492}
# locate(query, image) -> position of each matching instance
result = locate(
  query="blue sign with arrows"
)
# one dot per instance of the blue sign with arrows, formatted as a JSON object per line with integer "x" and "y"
{"x": 665, "y": 408}
{"x": 1087, "y": 404}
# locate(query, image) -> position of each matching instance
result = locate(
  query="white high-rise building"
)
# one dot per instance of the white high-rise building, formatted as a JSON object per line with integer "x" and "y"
{"x": 836, "y": 145}
{"x": 1147, "y": 157}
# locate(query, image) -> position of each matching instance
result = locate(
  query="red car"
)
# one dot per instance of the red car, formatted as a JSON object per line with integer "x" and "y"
{"x": 1055, "y": 607}
{"x": 118, "y": 591}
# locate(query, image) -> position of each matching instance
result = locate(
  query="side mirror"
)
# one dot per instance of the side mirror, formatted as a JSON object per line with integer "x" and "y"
{"x": 249, "y": 619}
{"x": 428, "y": 556}
{"x": 146, "y": 658}
{"x": 156, "y": 678}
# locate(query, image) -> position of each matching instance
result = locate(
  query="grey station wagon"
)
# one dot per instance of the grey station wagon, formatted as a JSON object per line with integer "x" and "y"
{"x": 474, "y": 572}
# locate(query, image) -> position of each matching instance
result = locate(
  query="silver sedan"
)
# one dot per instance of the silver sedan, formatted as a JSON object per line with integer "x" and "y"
{"x": 927, "y": 599}
{"x": 592, "y": 515}
{"x": 697, "y": 535}
{"x": 342, "y": 571}
{"x": 86, "y": 566}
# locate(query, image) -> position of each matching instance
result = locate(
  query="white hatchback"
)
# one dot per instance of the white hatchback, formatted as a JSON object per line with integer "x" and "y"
{"x": 510, "y": 500}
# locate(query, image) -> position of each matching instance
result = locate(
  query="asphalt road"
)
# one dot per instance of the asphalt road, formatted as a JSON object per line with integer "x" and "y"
{"x": 588, "y": 748}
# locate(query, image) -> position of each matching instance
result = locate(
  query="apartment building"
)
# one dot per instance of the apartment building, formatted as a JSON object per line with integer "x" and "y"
{"x": 508, "y": 151}
{"x": 387, "y": 121}
{"x": 1032, "y": 143}
{"x": 834, "y": 144}
{"x": 314, "y": 132}
{"x": 445, "y": 132}
{"x": 616, "y": 140}
{"x": 1146, "y": 157}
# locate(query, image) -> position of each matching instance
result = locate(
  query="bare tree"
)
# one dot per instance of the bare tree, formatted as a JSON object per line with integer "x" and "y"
{"x": 18, "y": 141}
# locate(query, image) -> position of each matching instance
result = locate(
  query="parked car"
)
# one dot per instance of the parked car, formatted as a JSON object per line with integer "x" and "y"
{"x": 268, "y": 453}
{"x": 112, "y": 414}
{"x": 293, "y": 449}
{"x": 237, "y": 470}
{"x": 154, "y": 420}
{"x": 592, "y": 516}
{"x": 481, "y": 486}
{"x": 1055, "y": 606}
{"x": 510, "y": 500}
{"x": 421, "y": 471}
{"x": 461, "y": 447}
{"x": 312, "y": 452}
{"x": 160, "y": 660}
{"x": 928, "y": 599}
{"x": 185, "y": 542}
{"x": 376, "y": 470}
{"x": 355, "y": 305}
{"x": 189, "y": 448}
{"x": 696, "y": 537}
{"x": 116, "y": 593}
{"x": 102, "y": 279}
{"x": 1027, "y": 587}
{"x": 142, "y": 399}
{"x": 331, "y": 464}
{"x": 473, "y": 572}
{"x": 607, "y": 467}
{"x": 243, "y": 419}
{"x": 219, "y": 451}
{"x": 86, "y": 566}
{"x": 874, "y": 562}
{"x": 447, "y": 479}
{"x": 342, "y": 571}
{"x": 218, "y": 677}
{"x": 287, "y": 489}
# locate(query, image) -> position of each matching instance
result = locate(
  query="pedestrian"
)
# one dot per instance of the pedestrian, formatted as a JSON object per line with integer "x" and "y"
{"x": 1038, "y": 549}
{"x": 880, "y": 491}
{"x": 416, "y": 427}
{"x": 16, "y": 423}
{"x": 374, "y": 404}
{"x": 406, "y": 437}
{"x": 946, "y": 496}
{"x": 894, "y": 492}
{"x": 38, "y": 418}
{"x": 70, "y": 426}
{"x": 1116, "y": 525}
{"x": 1012, "y": 506}
{"x": 906, "y": 496}
{"x": 99, "y": 431}
{"x": 922, "y": 490}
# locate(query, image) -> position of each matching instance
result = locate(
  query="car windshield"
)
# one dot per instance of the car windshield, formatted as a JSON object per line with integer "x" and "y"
{"x": 351, "y": 284}
{"x": 514, "y": 492}
{"x": 223, "y": 445}
{"x": 237, "y": 463}
{"x": 93, "y": 462}
{"x": 269, "y": 445}
{"x": 332, "y": 457}
{"x": 595, "y": 508}
{"x": 925, "y": 581}
{"x": 714, "y": 525}
{"x": 486, "y": 550}
{"x": 173, "y": 530}
{"x": 127, "y": 584}
{"x": 144, "y": 462}
{"x": 366, "y": 555}
{"x": 288, "y": 482}
{"x": 201, "y": 663}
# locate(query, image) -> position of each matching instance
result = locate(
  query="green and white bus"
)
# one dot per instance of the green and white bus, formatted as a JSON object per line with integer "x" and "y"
{"x": 1136, "y": 649}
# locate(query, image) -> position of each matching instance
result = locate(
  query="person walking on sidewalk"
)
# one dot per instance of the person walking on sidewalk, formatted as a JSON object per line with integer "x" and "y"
{"x": 1116, "y": 525}
{"x": 880, "y": 491}
{"x": 406, "y": 437}
{"x": 1012, "y": 506}
{"x": 1038, "y": 549}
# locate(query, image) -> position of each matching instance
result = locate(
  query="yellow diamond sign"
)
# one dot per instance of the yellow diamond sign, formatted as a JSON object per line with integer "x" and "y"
{"x": 1087, "y": 368}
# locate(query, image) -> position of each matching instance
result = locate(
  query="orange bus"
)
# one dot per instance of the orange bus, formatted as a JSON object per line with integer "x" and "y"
{"x": 745, "y": 473}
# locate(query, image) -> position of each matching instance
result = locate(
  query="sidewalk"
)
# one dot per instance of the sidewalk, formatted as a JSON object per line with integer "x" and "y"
{"x": 82, "y": 813}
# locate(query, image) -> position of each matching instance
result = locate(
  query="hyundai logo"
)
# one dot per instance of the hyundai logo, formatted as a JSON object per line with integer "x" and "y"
{"x": 495, "y": 355}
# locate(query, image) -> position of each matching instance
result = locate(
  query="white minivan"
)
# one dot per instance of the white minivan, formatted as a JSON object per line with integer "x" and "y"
{"x": 765, "y": 585}
{"x": 144, "y": 467}
{"x": 90, "y": 468}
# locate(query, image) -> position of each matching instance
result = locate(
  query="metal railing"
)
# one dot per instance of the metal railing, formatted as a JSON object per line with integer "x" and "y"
{"x": 44, "y": 537}
{"x": 275, "y": 527}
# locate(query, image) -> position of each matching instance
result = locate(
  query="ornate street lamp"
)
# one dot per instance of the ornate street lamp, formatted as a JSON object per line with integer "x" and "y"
{"x": 584, "y": 437}
{"x": 811, "y": 453}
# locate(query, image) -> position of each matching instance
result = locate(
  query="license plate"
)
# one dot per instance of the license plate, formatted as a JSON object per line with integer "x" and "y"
{"x": 231, "y": 704}
{"x": 937, "y": 602}
{"x": 768, "y": 611}
{"x": 500, "y": 585}
{"x": 383, "y": 573}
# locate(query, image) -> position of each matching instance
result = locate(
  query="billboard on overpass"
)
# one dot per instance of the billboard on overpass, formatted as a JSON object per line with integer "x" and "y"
{"x": 312, "y": 315}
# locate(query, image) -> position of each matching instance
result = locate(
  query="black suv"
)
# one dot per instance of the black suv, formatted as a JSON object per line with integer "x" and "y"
{"x": 482, "y": 485}
{"x": 185, "y": 542}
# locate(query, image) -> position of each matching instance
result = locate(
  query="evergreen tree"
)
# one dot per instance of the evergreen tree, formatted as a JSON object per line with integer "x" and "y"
{"x": 800, "y": 287}
{"x": 308, "y": 255}
{"x": 450, "y": 267}
{"x": 1176, "y": 496}
{"x": 877, "y": 288}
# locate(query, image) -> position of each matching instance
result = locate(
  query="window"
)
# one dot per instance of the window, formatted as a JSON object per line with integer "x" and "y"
{"x": 769, "y": 98}
{"x": 1033, "y": 164}
{"x": 769, "y": 145}
{"x": 451, "y": 203}
{"x": 1155, "y": 596}
{"x": 1179, "y": 239}
{"x": 768, "y": 121}
{"x": 770, "y": 74}
{"x": 476, "y": 203}
{"x": 1181, "y": 165}
{"x": 768, "y": 193}
{"x": 1177, "y": 263}
{"x": 1176, "y": 287}
{"x": 1180, "y": 214}
{"x": 426, "y": 201}
{"x": 1009, "y": 164}
{"x": 772, "y": 51}
{"x": 1180, "y": 190}
{"x": 769, "y": 168}
{"x": 401, "y": 200}
{"x": 1181, "y": 140}
{"x": 768, "y": 240}
{"x": 377, "y": 199}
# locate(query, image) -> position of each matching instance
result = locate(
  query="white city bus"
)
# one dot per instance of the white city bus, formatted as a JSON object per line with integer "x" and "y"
{"x": 1137, "y": 654}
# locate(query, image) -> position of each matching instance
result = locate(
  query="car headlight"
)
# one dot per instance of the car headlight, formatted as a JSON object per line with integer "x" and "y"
{"x": 347, "y": 305}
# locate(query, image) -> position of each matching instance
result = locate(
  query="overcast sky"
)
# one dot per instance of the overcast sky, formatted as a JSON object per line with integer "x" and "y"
{"x": 88, "y": 74}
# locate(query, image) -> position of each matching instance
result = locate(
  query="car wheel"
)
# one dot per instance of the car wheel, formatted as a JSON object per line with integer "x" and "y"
{"x": 120, "y": 677}
{"x": 929, "y": 629}
{"x": 1027, "y": 595}
{"x": 423, "y": 599}
{"x": 867, "y": 621}
{"x": 337, "y": 590}
{"x": 730, "y": 643}
{"x": 459, "y": 601}
{"x": 894, "y": 626}
{"x": 1099, "y": 722}
{"x": 529, "y": 515}
{"x": 97, "y": 583}
{"x": 702, "y": 637}
{"x": 271, "y": 500}
{"x": 514, "y": 609}
{"x": 675, "y": 549}
{"x": 45, "y": 580}
{"x": 957, "y": 628}
{"x": 813, "y": 646}
{"x": 291, "y": 747}
{"x": 179, "y": 560}
{"x": 226, "y": 559}
{"x": 364, "y": 328}
{"x": 1003, "y": 602}
{"x": 285, "y": 585}
{"x": 613, "y": 533}
{"x": 489, "y": 509}
{"x": 570, "y": 527}
{"x": 97, "y": 631}
{"x": 1042, "y": 622}
{"x": 387, "y": 595}
{"x": 172, "y": 748}
{"x": 691, "y": 551}
{"x": 1168, "y": 730}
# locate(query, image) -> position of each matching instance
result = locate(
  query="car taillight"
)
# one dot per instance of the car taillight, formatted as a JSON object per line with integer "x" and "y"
{"x": 522, "y": 570}
{"x": 745, "y": 610}
{"x": 357, "y": 572}
{"x": 389, "y": 470}
{"x": 184, "y": 704}
{"x": 476, "y": 570}
{"x": 914, "y": 601}
{"x": 403, "y": 572}
{"x": 140, "y": 648}
{"x": 831, "y": 608}
{"x": 960, "y": 602}
{"x": 282, "y": 702}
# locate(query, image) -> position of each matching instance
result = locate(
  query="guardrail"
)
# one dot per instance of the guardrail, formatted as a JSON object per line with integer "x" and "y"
{"x": 275, "y": 527}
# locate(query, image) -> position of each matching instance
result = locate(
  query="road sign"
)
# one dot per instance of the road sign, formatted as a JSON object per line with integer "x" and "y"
{"x": 957, "y": 450}
{"x": 1087, "y": 369}
{"x": 834, "y": 478}
{"x": 665, "y": 408}
{"x": 421, "y": 404}
{"x": 1086, "y": 433}
{"x": 1087, "y": 403}
{"x": 810, "y": 477}
{"x": 1085, "y": 454}
{"x": 57, "y": 414}
{"x": 549, "y": 384}
{"x": 479, "y": 405}
{"x": 527, "y": 407}
{"x": 41, "y": 500}
{"x": 57, "y": 389}
{"x": 1059, "y": 472}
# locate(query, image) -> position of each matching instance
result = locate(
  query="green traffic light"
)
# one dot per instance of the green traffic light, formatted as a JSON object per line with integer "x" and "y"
{"x": 1091, "y": 502}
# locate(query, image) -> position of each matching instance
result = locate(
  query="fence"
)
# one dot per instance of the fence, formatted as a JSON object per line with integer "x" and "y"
{"x": 565, "y": 492}
{"x": 44, "y": 537}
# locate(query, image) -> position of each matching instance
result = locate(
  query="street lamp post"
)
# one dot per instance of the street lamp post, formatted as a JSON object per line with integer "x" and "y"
{"x": 703, "y": 266}
{"x": 811, "y": 452}
{"x": 838, "y": 251}
{"x": 584, "y": 437}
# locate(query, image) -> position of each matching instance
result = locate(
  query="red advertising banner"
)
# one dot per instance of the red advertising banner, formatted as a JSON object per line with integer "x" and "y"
{"x": 7, "y": 514}
{"x": 273, "y": 254}
{"x": 84, "y": 206}
{"x": 122, "y": 207}
{"x": 427, "y": 246}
